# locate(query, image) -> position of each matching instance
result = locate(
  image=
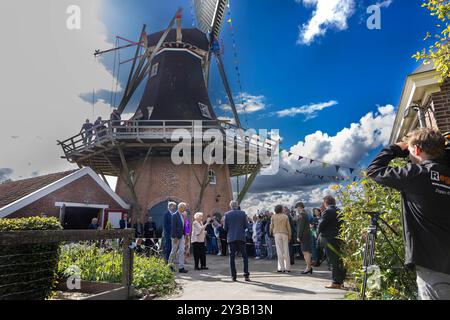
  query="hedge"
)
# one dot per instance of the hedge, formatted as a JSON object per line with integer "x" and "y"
{"x": 27, "y": 271}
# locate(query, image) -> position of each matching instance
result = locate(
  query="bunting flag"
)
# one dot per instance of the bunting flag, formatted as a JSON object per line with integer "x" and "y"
{"x": 300, "y": 158}
{"x": 351, "y": 170}
{"x": 229, "y": 20}
{"x": 322, "y": 177}
{"x": 337, "y": 168}
{"x": 324, "y": 165}
{"x": 311, "y": 161}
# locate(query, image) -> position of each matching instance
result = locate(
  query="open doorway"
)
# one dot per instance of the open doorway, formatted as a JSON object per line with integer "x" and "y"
{"x": 80, "y": 218}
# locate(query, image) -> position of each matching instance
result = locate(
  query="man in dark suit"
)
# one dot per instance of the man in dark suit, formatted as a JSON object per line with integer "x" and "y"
{"x": 328, "y": 231}
{"x": 125, "y": 223}
{"x": 167, "y": 229}
{"x": 178, "y": 238}
{"x": 235, "y": 225}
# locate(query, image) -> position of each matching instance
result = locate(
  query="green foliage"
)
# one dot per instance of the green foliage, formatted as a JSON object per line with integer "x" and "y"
{"x": 438, "y": 51}
{"x": 102, "y": 265}
{"x": 365, "y": 197}
{"x": 27, "y": 271}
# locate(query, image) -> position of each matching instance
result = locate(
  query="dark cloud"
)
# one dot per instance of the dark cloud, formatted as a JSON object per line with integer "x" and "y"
{"x": 5, "y": 173}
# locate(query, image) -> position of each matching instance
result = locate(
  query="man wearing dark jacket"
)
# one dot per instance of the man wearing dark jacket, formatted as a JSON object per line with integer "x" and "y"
{"x": 167, "y": 229}
{"x": 235, "y": 225}
{"x": 178, "y": 238}
{"x": 328, "y": 231}
{"x": 425, "y": 187}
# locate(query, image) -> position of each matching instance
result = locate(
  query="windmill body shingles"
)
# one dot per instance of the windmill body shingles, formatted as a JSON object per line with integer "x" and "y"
{"x": 177, "y": 89}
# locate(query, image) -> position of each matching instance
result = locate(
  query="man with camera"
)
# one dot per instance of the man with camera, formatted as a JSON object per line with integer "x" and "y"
{"x": 425, "y": 187}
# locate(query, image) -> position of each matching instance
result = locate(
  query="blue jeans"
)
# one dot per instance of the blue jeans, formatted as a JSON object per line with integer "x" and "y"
{"x": 212, "y": 245}
{"x": 269, "y": 244}
{"x": 235, "y": 246}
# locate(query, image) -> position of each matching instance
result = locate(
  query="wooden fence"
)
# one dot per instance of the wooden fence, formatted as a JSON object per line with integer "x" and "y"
{"x": 8, "y": 238}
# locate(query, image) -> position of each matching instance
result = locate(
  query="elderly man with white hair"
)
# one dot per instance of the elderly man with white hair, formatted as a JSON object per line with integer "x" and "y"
{"x": 178, "y": 238}
{"x": 198, "y": 241}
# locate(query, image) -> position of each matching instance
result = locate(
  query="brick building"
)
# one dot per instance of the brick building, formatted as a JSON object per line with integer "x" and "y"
{"x": 424, "y": 100}
{"x": 74, "y": 197}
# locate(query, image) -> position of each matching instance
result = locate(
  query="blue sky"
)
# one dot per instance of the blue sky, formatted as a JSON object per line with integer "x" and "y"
{"x": 357, "y": 67}
{"x": 355, "y": 74}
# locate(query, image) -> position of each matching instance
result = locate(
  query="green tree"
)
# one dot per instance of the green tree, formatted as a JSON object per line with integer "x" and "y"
{"x": 368, "y": 196}
{"x": 438, "y": 52}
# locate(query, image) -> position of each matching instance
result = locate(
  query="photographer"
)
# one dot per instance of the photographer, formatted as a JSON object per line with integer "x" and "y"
{"x": 425, "y": 187}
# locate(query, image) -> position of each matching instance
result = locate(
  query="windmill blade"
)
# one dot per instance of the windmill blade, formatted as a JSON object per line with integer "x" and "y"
{"x": 210, "y": 14}
{"x": 226, "y": 84}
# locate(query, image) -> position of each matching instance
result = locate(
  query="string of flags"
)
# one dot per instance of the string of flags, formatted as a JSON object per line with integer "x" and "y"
{"x": 236, "y": 61}
{"x": 353, "y": 171}
{"x": 322, "y": 177}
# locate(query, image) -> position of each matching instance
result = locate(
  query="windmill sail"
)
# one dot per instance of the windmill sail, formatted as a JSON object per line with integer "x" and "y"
{"x": 210, "y": 14}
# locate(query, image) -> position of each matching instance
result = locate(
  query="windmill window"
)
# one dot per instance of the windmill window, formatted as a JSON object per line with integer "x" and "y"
{"x": 155, "y": 68}
{"x": 212, "y": 177}
{"x": 204, "y": 110}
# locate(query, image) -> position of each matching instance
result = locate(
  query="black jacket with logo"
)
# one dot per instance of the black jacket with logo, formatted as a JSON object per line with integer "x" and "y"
{"x": 425, "y": 192}
{"x": 329, "y": 223}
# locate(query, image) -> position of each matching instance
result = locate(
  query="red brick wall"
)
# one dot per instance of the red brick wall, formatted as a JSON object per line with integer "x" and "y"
{"x": 84, "y": 190}
{"x": 161, "y": 180}
{"x": 441, "y": 102}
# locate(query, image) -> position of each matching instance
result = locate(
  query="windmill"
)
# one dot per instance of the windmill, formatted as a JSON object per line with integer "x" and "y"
{"x": 176, "y": 63}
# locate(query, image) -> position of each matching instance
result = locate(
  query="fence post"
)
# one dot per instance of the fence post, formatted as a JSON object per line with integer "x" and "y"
{"x": 127, "y": 265}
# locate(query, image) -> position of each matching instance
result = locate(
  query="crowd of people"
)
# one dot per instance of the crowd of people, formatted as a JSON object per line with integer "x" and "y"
{"x": 283, "y": 234}
{"x": 98, "y": 129}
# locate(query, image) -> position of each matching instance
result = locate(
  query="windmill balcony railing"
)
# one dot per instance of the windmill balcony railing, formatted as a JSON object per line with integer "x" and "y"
{"x": 155, "y": 130}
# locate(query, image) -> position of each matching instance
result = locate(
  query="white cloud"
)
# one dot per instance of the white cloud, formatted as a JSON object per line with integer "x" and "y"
{"x": 311, "y": 196}
{"x": 309, "y": 111}
{"x": 385, "y": 3}
{"x": 44, "y": 69}
{"x": 247, "y": 103}
{"x": 348, "y": 148}
{"x": 327, "y": 14}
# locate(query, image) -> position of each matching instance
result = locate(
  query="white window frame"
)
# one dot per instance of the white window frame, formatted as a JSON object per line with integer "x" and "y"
{"x": 155, "y": 69}
{"x": 212, "y": 176}
{"x": 204, "y": 109}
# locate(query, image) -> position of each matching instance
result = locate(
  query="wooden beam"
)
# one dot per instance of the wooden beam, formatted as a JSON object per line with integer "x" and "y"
{"x": 127, "y": 177}
{"x": 248, "y": 184}
{"x": 143, "y": 165}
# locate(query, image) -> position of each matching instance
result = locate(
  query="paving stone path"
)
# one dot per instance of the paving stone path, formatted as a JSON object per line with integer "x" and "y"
{"x": 266, "y": 284}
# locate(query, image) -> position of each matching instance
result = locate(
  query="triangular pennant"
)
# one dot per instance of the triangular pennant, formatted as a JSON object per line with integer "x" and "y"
{"x": 337, "y": 168}
{"x": 354, "y": 179}
{"x": 351, "y": 170}
{"x": 300, "y": 158}
{"x": 290, "y": 154}
{"x": 311, "y": 161}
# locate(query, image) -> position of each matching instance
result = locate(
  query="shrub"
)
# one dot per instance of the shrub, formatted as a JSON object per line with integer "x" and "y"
{"x": 370, "y": 196}
{"x": 102, "y": 265}
{"x": 27, "y": 271}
